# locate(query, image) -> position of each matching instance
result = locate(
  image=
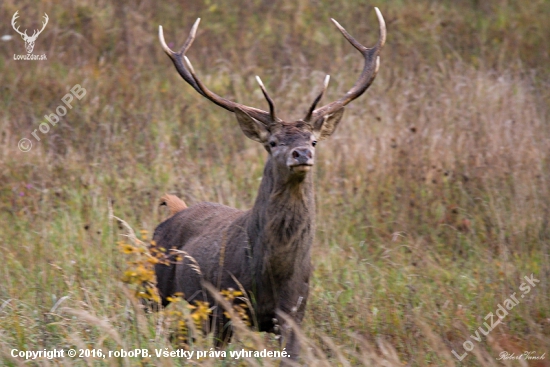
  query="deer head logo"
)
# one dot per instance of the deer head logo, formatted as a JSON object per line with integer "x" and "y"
{"x": 29, "y": 40}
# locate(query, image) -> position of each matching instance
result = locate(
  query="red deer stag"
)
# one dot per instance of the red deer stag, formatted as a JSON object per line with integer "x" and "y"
{"x": 265, "y": 250}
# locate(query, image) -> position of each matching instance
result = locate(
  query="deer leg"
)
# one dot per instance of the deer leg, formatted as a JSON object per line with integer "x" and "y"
{"x": 289, "y": 341}
{"x": 223, "y": 332}
{"x": 294, "y": 309}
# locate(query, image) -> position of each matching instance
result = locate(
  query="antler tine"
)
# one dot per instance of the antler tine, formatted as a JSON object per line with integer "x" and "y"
{"x": 370, "y": 69}
{"x": 13, "y": 21}
{"x": 348, "y": 36}
{"x": 382, "y": 28}
{"x": 185, "y": 69}
{"x": 269, "y": 100}
{"x": 314, "y": 104}
{"x": 14, "y": 18}
{"x": 176, "y": 56}
{"x": 202, "y": 88}
{"x": 46, "y": 18}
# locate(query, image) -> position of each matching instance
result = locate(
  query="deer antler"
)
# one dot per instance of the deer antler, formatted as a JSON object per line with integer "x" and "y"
{"x": 35, "y": 34}
{"x": 312, "y": 108}
{"x": 268, "y": 99}
{"x": 24, "y": 34}
{"x": 185, "y": 69}
{"x": 372, "y": 63}
{"x": 13, "y": 19}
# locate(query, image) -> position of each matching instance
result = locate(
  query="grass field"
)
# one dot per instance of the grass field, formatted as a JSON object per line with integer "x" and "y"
{"x": 433, "y": 196}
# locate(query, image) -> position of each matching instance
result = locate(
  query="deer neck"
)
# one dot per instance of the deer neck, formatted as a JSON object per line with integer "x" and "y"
{"x": 281, "y": 227}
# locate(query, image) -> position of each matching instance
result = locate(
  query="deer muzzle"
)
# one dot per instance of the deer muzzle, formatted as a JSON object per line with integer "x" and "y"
{"x": 300, "y": 159}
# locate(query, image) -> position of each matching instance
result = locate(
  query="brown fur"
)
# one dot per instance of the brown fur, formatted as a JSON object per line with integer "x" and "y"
{"x": 265, "y": 250}
{"x": 174, "y": 203}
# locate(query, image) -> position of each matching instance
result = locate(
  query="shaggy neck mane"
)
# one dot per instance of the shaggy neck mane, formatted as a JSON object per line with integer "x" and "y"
{"x": 281, "y": 225}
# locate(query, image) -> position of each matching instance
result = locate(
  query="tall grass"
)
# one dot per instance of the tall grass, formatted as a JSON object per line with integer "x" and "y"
{"x": 433, "y": 196}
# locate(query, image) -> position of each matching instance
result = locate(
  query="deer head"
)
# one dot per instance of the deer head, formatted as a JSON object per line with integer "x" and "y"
{"x": 29, "y": 40}
{"x": 291, "y": 145}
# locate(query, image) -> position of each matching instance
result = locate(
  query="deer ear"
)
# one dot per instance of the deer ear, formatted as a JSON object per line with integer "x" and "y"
{"x": 253, "y": 129}
{"x": 325, "y": 126}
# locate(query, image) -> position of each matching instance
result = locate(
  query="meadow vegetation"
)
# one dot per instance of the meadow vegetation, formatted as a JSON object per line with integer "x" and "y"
{"x": 433, "y": 195}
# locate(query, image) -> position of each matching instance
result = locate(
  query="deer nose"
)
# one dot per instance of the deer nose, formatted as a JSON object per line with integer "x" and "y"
{"x": 301, "y": 156}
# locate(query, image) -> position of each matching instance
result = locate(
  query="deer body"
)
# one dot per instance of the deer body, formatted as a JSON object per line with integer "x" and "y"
{"x": 267, "y": 249}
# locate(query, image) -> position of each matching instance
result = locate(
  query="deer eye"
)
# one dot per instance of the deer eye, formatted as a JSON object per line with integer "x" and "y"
{"x": 272, "y": 144}
{"x": 314, "y": 143}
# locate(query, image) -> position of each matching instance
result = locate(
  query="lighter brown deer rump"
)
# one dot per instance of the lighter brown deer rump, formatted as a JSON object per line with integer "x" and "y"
{"x": 174, "y": 203}
{"x": 265, "y": 250}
